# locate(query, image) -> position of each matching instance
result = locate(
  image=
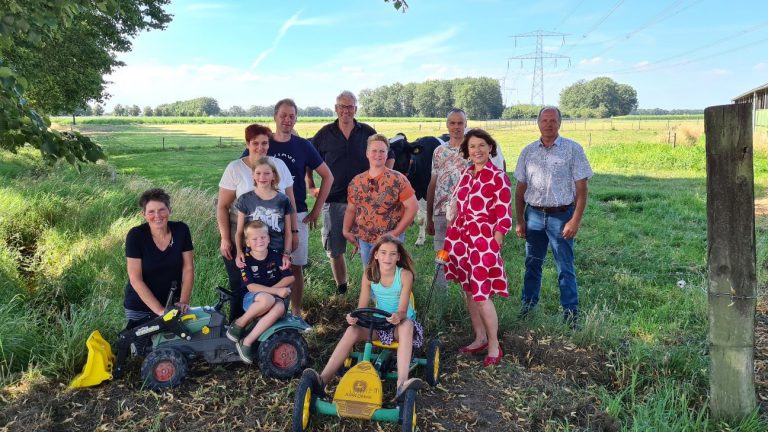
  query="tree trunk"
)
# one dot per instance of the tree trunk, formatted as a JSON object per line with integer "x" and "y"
{"x": 731, "y": 259}
{"x": 73, "y": 119}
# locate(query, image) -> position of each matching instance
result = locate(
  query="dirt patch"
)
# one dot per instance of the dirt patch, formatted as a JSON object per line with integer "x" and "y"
{"x": 541, "y": 381}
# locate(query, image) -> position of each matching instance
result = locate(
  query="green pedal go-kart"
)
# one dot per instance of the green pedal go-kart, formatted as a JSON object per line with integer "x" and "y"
{"x": 359, "y": 393}
{"x": 171, "y": 341}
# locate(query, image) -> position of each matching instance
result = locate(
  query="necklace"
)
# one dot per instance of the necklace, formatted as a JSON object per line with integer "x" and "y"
{"x": 165, "y": 239}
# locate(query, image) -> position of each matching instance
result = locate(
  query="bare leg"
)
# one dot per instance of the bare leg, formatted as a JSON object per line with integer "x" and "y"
{"x": 339, "y": 269}
{"x": 261, "y": 304}
{"x": 404, "y": 350}
{"x": 353, "y": 335}
{"x": 277, "y": 310}
{"x": 491, "y": 324}
{"x": 297, "y": 289}
{"x": 478, "y": 325}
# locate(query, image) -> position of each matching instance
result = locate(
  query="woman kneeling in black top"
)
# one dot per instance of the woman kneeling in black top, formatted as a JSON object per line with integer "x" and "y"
{"x": 159, "y": 253}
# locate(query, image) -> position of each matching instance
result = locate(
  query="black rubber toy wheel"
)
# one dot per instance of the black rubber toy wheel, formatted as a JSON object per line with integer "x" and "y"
{"x": 283, "y": 355}
{"x": 408, "y": 411}
{"x": 164, "y": 368}
{"x": 432, "y": 368}
{"x": 303, "y": 405}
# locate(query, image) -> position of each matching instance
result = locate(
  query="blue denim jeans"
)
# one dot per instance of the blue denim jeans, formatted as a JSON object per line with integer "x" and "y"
{"x": 366, "y": 248}
{"x": 542, "y": 230}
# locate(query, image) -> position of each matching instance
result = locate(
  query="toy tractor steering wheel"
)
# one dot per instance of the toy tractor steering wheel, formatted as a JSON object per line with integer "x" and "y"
{"x": 372, "y": 318}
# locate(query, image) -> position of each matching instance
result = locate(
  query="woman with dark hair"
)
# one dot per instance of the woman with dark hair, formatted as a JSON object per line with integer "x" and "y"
{"x": 474, "y": 237}
{"x": 236, "y": 181}
{"x": 159, "y": 255}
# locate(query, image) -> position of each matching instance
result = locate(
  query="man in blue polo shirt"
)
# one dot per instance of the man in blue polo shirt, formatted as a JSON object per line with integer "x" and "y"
{"x": 342, "y": 145}
{"x": 301, "y": 158}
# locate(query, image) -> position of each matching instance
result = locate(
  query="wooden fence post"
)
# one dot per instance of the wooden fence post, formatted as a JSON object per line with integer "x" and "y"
{"x": 731, "y": 259}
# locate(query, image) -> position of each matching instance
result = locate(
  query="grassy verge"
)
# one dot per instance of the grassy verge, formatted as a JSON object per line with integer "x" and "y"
{"x": 62, "y": 265}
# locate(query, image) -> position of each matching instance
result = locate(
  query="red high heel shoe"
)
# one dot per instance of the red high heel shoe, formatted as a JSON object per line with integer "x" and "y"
{"x": 488, "y": 360}
{"x": 468, "y": 350}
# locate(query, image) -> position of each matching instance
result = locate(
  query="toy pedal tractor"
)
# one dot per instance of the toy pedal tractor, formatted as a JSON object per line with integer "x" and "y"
{"x": 360, "y": 391}
{"x": 172, "y": 340}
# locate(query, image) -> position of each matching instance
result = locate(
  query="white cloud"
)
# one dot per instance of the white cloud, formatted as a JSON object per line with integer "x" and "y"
{"x": 591, "y": 61}
{"x": 720, "y": 72}
{"x": 293, "y": 21}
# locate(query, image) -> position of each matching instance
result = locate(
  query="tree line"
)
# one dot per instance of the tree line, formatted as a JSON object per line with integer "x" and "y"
{"x": 200, "y": 107}
{"x": 479, "y": 97}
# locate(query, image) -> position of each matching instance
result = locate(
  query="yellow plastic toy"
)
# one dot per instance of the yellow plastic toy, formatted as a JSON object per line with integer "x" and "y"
{"x": 98, "y": 367}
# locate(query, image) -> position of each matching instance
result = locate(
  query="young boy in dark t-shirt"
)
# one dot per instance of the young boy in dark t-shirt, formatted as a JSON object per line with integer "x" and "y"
{"x": 267, "y": 286}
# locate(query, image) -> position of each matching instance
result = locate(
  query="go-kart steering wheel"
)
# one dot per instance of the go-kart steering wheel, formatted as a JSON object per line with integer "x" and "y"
{"x": 372, "y": 318}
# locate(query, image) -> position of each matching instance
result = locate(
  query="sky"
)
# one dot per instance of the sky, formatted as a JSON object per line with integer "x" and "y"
{"x": 675, "y": 53}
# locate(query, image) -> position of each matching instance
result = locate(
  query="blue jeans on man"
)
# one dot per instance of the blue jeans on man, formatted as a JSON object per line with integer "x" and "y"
{"x": 542, "y": 230}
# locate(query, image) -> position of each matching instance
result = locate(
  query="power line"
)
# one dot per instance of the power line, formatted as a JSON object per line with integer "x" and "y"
{"x": 538, "y": 56}
{"x": 568, "y": 15}
{"x": 656, "y": 63}
{"x": 595, "y": 26}
{"x": 664, "y": 14}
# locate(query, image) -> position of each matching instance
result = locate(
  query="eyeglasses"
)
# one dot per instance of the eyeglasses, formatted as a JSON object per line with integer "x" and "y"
{"x": 345, "y": 107}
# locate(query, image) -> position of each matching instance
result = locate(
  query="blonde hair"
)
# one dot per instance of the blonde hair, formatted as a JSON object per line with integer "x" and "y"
{"x": 275, "y": 176}
{"x": 254, "y": 225}
{"x": 372, "y": 271}
{"x": 377, "y": 137}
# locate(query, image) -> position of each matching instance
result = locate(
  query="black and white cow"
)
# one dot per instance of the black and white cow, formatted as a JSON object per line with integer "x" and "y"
{"x": 415, "y": 161}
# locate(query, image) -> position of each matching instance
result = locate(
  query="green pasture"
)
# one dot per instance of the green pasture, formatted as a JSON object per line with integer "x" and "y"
{"x": 62, "y": 260}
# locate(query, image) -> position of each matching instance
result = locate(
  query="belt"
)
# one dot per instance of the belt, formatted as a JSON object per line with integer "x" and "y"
{"x": 548, "y": 210}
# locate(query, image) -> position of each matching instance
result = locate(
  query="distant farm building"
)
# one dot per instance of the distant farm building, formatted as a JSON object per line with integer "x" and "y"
{"x": 758, "y": 97}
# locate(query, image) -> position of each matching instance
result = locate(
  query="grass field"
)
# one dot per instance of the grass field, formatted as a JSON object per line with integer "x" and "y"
{"x": 62, "y": 267}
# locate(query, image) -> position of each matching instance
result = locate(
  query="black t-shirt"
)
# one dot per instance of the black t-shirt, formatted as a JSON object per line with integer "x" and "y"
{"x": 344, "y": 157}
{"x": 263, "y": 272}
{"x": 158, "y": 268}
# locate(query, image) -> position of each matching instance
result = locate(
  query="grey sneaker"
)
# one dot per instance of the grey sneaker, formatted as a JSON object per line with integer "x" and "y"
{"x": 244, "y": 351}
{"x": 234, "y": 332}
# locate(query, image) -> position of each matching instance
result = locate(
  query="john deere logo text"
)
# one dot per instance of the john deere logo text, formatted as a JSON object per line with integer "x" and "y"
{"x": 359, "y": 386}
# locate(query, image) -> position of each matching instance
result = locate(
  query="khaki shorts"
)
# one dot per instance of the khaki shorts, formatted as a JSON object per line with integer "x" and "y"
{"x": 334, "y": 242}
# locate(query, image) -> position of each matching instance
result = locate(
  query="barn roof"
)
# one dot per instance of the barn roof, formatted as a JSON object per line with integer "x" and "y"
{"x": 747, "y": 96}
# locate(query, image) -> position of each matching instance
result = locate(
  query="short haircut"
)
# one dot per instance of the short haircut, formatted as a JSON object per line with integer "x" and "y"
{"x": 254, "y": 225}
{"x": 477, "y": 133}
{"x": 275, "y": 176}
{"x": 454, "y": 111}
{"x": 286, "y": 101}
{"x": 377, "y": 137}
{"x": 347, "y": 93}
{"x": 550, "y": 108}
{"x": 155, "y": 194}
{"x": 254, "y": 130}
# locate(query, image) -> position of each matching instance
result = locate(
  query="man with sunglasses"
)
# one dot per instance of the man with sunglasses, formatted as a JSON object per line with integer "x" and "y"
{"x": 342, "y": 145}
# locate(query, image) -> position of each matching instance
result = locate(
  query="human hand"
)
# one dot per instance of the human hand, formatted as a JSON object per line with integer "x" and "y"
{"x": 499, "y": 237}
{"x": 226, "y": 249}
{"x": 311, "y": 218}
{"x": 351, "y": 320}
{"x": 570, "y": 229}
{"x": 283, "y": 292}
{"x": 315, "y": 191}
{"x": 286, "y": 262}
{"x": 350, "y": 238}
{"x": 520, "y": 230}
{"x": 394, "y": 318}
{"x": 240, "y": 259}
{"x": 430, "y": 227}
{"x": 182, "y": 307}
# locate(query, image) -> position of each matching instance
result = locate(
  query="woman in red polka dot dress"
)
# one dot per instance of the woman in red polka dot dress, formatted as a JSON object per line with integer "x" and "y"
{"x": 473, "y": 240}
